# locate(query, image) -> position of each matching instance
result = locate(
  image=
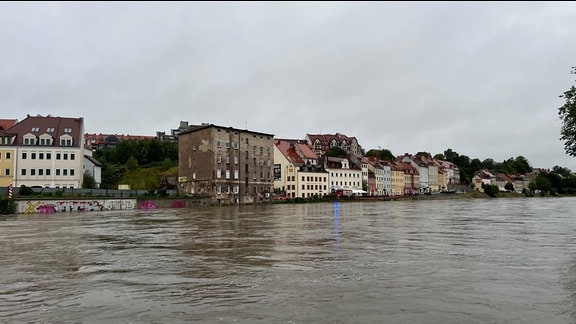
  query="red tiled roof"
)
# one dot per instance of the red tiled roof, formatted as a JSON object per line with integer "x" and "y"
{"x": 53, "y": 126}
{"x": 286, "y": 147}
{"x": 7, "y": 123}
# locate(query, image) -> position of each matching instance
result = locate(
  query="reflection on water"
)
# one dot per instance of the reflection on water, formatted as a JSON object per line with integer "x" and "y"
{"x": 446, "y": 261}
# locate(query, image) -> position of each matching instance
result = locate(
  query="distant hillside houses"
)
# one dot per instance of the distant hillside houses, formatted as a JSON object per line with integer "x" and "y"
{"x": 519, "y": 182}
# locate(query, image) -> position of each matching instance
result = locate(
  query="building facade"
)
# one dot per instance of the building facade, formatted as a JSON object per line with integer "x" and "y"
{"x": 228, "y": 164}
{"x": 46, "y": 151}
{"x": 296, "y": 172}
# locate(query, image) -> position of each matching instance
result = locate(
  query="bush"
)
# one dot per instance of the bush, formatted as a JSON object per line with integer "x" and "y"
{"x": 25, "y": 191}
{"x": 7, "y": 206}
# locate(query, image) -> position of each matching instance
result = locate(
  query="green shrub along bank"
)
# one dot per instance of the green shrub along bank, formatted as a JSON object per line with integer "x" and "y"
{"x": 7, "y": 206}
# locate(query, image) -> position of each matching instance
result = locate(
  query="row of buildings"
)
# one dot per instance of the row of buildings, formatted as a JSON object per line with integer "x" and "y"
{"x": 231, "y": 165}
{"x": 235, "y": 165}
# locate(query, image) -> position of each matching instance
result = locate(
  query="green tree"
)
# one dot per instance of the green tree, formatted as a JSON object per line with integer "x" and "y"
{"x": 88, "y": 181}
{"x": 490, "y": 190}
{"x": 541, "y": 183}
{"x": 567, "y": 114}
{"x": 509, "y": 186}
{"x": 132, "y": 163}
{"x": 384, "y": 154}
{"x": 336, "y": 151}
{"x": 565, "y": 172}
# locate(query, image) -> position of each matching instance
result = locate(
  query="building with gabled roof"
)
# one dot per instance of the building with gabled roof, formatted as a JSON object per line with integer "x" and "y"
{"x": 48, "y": 151}
{"x": 343, "y": 175}
{"x": 321, "y": 143}
{"x": 297, "y": 173}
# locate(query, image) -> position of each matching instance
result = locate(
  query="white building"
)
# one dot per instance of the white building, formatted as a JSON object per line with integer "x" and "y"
{"x": 49, "y": 151}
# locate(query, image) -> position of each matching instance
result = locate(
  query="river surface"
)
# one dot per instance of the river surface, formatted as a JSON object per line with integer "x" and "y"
{"x": 424, "y": 261}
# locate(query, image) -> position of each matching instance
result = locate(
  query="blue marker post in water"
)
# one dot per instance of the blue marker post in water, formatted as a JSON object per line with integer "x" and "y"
{"x": 337, "y": 225}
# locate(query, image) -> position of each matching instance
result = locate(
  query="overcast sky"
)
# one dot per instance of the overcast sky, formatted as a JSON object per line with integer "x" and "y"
{"x": 481, "y": 78}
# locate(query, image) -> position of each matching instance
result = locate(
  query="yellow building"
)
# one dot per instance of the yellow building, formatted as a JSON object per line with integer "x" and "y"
{"x": 7, "y": 159}
{"x": 7, "y": 152}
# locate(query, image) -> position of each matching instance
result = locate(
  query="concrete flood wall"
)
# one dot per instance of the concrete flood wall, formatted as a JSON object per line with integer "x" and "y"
{"x": 50, "y": 206}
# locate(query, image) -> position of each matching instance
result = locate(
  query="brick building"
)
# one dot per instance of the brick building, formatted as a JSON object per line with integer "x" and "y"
{"x": 230, "y": 165}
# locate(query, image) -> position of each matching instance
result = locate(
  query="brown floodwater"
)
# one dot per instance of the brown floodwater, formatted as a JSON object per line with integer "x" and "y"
{"x": 437, "y": 261}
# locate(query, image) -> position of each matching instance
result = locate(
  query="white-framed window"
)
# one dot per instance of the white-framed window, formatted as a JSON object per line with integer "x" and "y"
{"x": 218, "y": 174}
{"x": 66, "y": 140}
{"x": 235, "y": 174}
{"x": 227, "y": 174}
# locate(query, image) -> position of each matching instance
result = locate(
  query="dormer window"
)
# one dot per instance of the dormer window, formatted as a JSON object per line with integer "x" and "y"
{"x": 45, "y": 140}
{"x": 50, "y": 130}
{"x": 29, "y": 139}
{"x": 35, "y": 129}
{"x": 67, "y": 130}
{"x": 66, "y": 140}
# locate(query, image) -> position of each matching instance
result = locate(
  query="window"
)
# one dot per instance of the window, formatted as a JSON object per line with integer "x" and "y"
{"x": 48, "y": 156}
{"x": 227, "y": 174}
{"x": 47, "y": 172}
{"x": 50, "y": 130}
{"x": 23, "y": 172}
{"x": 58, "y": 155}
{"x": 218, "y": 158}
{"x": 35, "y": 129}
{"x": 7, "y": 155}
{"x": 218, "y": 189}
{"x": 64, "y": 172}
{"x": 218, "y": 143}
{"x": 218, "y": 174}
{"x": 24, "y": 155}
{"x": 72, "y": 172}
{"x": 41, "y": 156}
{"x": 40, "y": 172}
{"x": 235, "y": 174}
{"x": 7, "y": 172}
{"x": 33, "y": 156}
{"x": 32, "y": 172}
{"x": 65, "y": 156}
{"x": 227, "y": 144}
{"x": 72, "y": 156}
{"x": 227, "y": 159}
{"x": 57, "y": 172}
{"x": 67, "y": 130}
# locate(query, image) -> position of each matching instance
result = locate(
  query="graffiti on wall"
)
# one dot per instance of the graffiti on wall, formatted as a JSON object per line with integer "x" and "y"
{"x": 60, "y": 206}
